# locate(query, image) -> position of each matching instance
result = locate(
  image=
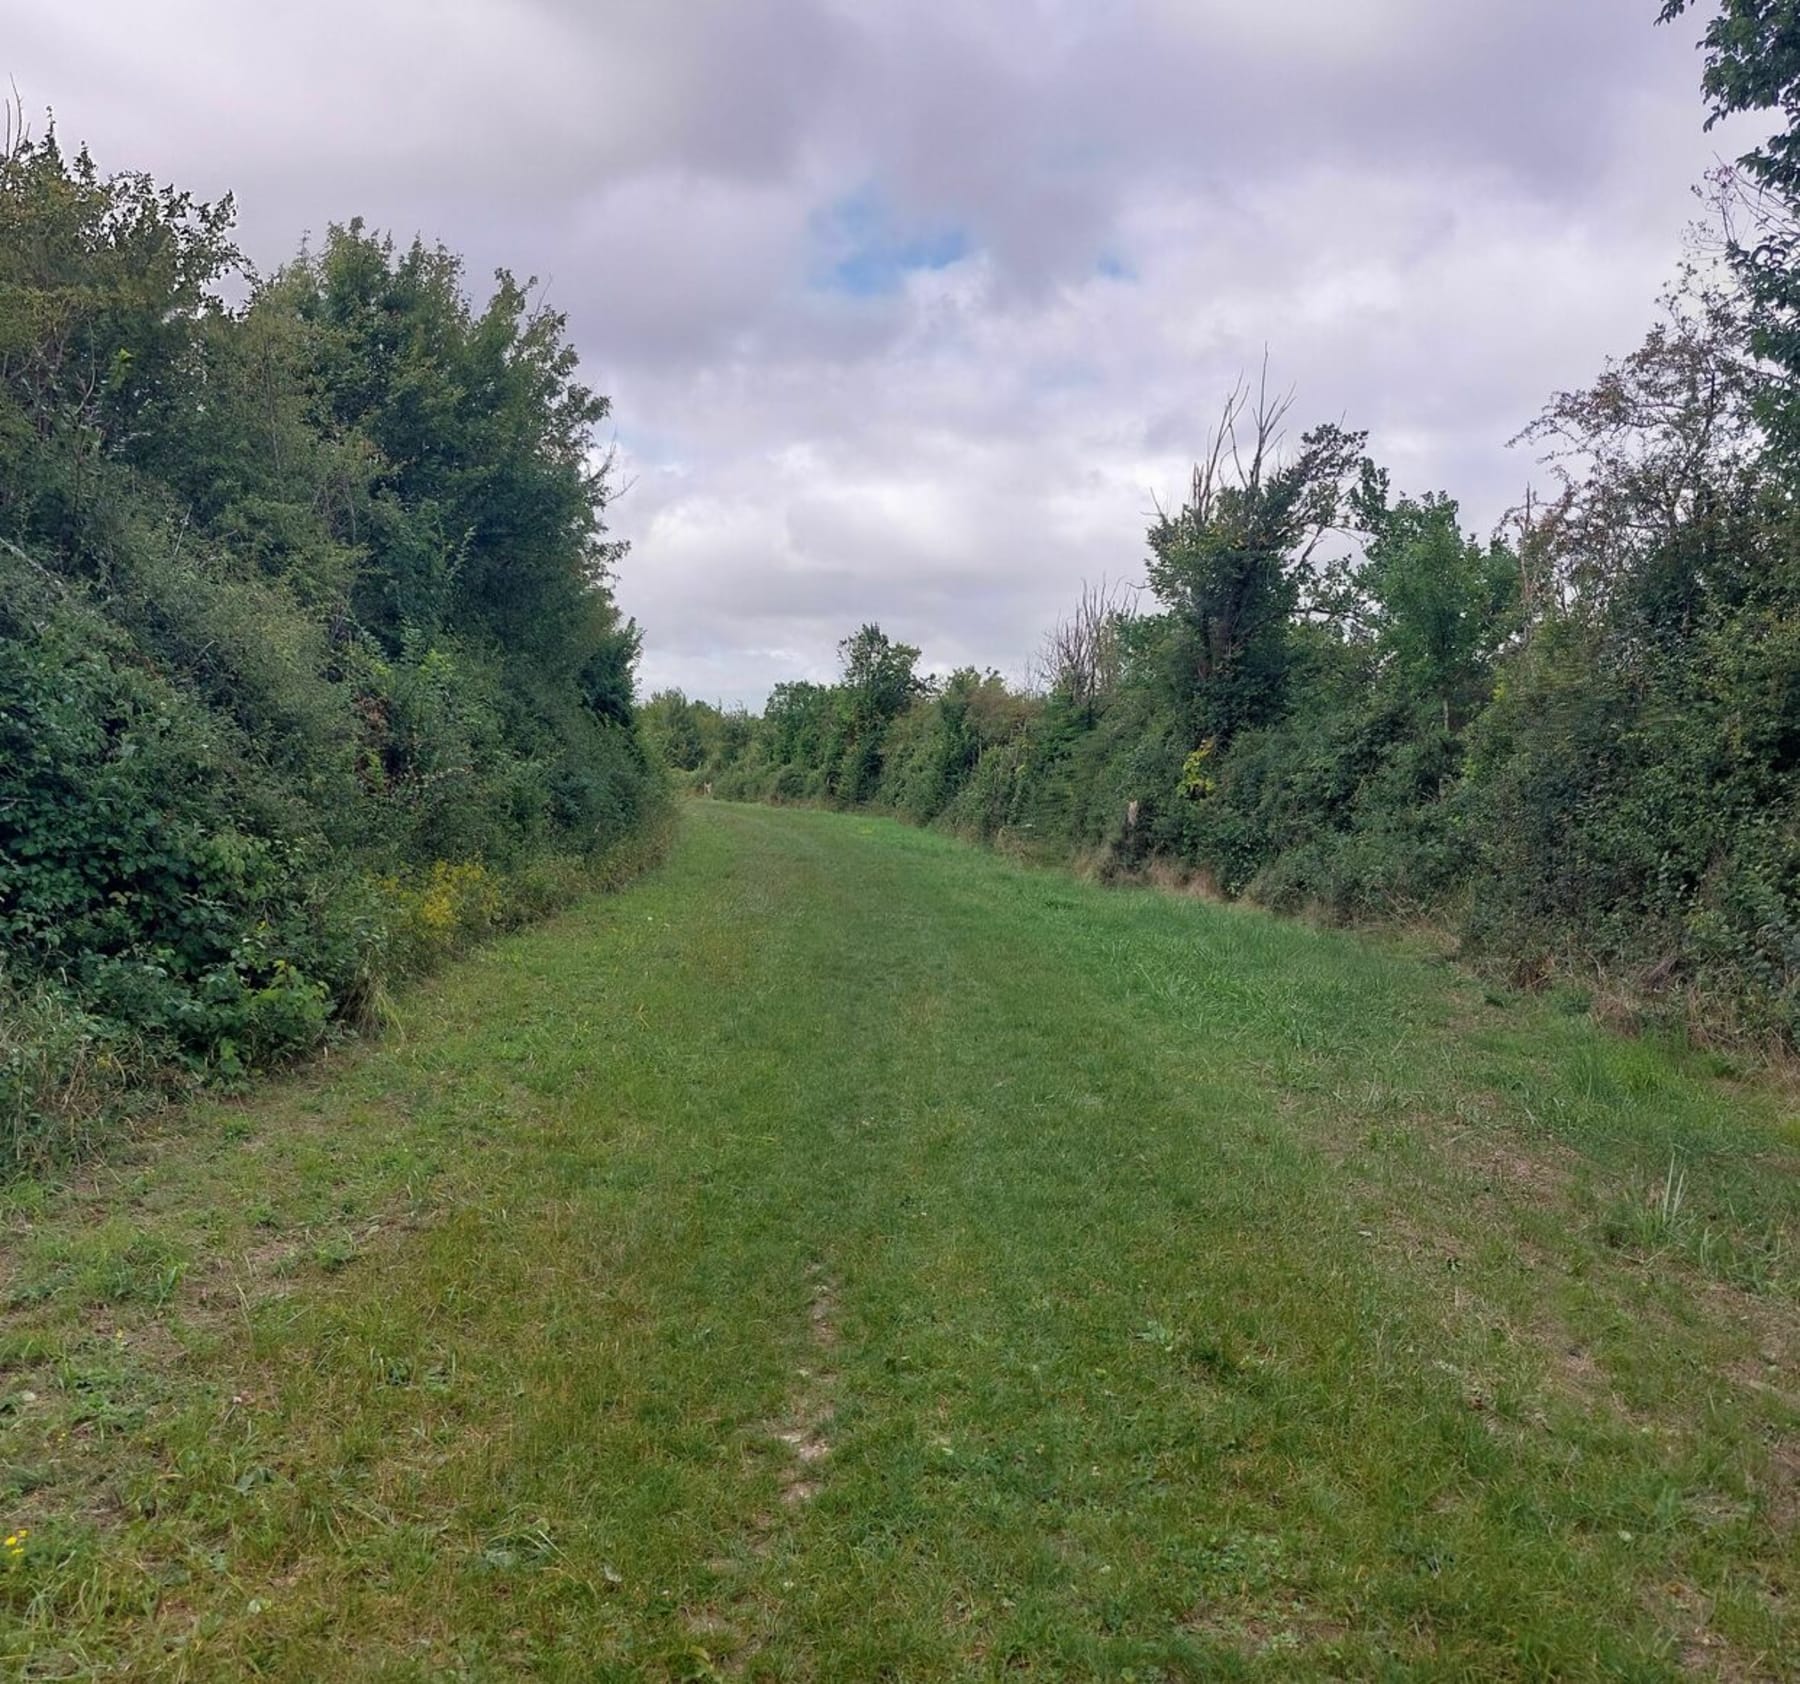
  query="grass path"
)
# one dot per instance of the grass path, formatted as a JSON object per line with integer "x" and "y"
{"x": 847, "y": 1256}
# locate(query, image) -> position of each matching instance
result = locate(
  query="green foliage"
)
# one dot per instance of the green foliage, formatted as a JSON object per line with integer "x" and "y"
{"x": 297, "y": 600}
{"x": 877, "y": 684}
{"x": 801, "y": 722}
{"x": 1438, "y": 605}
{"x": 484, "y": 515}
{"x": 1230, "y": 568}
{"x": 934, "y": 747}
{"x": 672, "y": 729}
{"x": 1752, "y": 52}
{"x": 105, "y": 296}
{"x": 1579, "y": 747}
{"x": 142, "y": 870}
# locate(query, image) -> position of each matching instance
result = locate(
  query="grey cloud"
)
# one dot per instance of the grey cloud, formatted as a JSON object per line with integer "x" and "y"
{"x": 1431, "y": 213}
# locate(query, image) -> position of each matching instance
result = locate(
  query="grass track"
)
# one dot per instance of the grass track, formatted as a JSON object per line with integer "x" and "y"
{"x": 848, "y": 1256}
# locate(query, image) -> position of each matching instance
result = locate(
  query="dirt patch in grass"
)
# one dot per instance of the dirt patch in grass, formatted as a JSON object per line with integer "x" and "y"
{"x": 1265, "y": 1631}
{"x": 1770, "y": 1321}
{"x": 805, "y": 1427}
{"x": 1699, "y": 1649}
{"x": 1538, "y": 1171}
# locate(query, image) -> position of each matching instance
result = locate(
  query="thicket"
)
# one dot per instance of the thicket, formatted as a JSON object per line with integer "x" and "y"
{"x": 1578, "y": 742}
{"x": 309, "y": 669}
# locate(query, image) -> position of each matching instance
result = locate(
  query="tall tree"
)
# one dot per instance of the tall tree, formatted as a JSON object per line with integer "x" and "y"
{"x": 1082, "y": 657}
{"x": 105, "y": 289}
{"x": 880, "y": 677}
{"x": 1752, "y": 50}
{"x": 880, "y": 680}
{"x": 1232, "y": 565}
{"x": 1662, "y": 515}
{"x": 1439, "y": 603}
{"x": 488, "y": 512}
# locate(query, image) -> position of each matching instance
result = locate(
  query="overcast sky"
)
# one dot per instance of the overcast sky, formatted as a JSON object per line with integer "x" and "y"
{"x": 909, "y": 308}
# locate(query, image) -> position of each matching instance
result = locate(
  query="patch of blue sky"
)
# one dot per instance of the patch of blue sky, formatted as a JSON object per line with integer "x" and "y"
{"x": 644, "y": 445}
{"x": 867, "y": 251}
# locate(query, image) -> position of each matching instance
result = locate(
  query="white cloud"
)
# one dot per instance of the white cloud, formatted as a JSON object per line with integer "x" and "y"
{"x": 1430, "y": 214}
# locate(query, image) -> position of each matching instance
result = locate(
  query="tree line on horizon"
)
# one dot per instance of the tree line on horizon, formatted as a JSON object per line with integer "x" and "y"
{"x": 1577, "y": 742}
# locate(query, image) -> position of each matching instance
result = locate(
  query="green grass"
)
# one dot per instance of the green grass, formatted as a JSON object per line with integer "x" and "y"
{"x": 846, "y": 1255}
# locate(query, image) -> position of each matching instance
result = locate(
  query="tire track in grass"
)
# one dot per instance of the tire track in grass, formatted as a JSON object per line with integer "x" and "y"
{"x": 806, "y": 1430}
{"x": 724, "y": 1631}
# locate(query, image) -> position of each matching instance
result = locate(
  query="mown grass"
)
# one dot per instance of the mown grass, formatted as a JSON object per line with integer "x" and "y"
{"x": 846, "y": 1255}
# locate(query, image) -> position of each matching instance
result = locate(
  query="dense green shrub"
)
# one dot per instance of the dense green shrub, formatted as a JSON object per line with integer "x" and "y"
{"x": 309, "y": 672}
{"x": 1581, "y": 748}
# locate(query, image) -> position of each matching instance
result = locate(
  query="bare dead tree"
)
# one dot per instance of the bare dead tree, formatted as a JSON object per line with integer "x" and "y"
{"x": 1248, "y": 435}
{"x": 15, "y": 134}
{"x": 1082, "y": 656}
